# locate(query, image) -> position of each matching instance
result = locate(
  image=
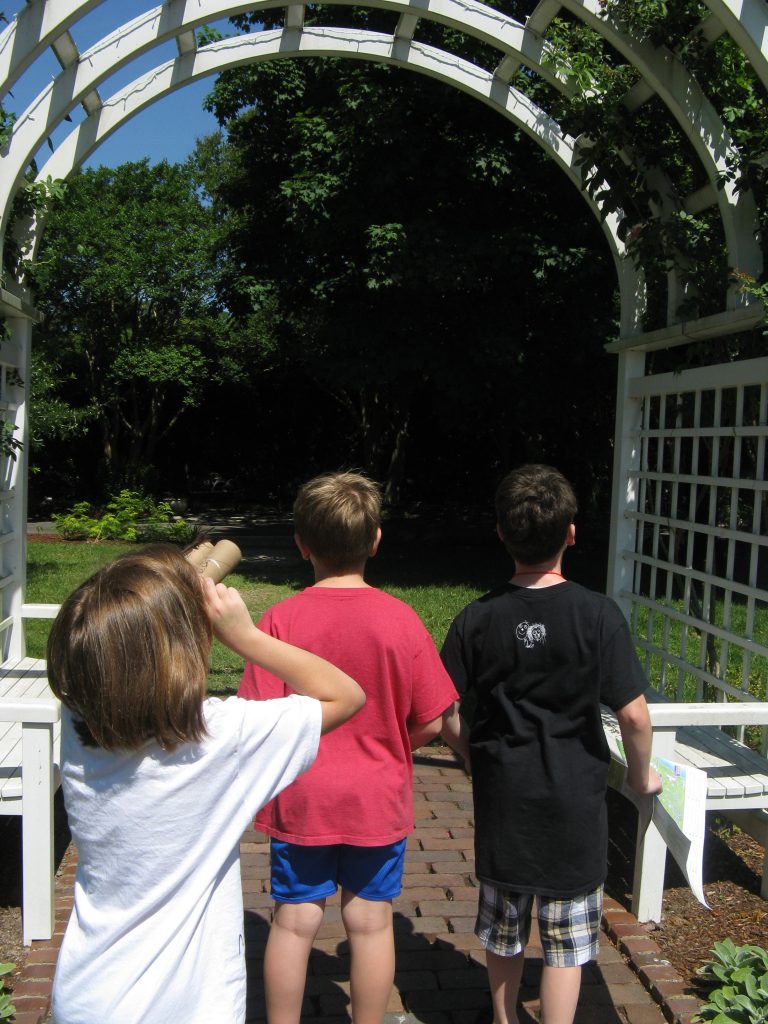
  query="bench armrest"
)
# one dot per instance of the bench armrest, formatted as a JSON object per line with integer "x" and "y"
{"x": 30, "y": 709}
{"x": 40, "y": 611}
{"x": 668, "y": 716}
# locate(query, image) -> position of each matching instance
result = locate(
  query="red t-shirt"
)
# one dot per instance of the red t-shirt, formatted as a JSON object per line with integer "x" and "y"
{"x": 358, "y": 791}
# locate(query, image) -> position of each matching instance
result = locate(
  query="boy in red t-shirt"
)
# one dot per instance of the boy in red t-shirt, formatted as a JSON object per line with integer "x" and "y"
{"x": 344, "y": 822}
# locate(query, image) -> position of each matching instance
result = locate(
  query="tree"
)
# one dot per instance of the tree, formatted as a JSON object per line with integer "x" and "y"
{"x": 125, "y": 280}
{"x": 383, "y": 225}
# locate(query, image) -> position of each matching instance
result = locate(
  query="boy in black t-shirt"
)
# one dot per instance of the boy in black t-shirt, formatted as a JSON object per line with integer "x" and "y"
{"x": 541, "y": 654}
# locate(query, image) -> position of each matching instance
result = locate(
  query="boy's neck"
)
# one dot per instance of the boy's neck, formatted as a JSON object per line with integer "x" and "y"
{"x": 543, "y": 574}
{"x": 344, "y": 578}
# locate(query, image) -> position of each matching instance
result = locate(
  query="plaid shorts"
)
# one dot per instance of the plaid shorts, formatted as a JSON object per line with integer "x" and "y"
{"x": 569, "y": 929}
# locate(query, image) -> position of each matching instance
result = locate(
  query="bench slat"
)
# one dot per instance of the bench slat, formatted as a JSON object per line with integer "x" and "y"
{"x": 730, "y": 764}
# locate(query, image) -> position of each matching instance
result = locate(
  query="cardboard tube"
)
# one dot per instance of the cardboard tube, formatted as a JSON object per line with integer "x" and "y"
{"x": 221, "y": 561}
{"x": 200, "y": 553}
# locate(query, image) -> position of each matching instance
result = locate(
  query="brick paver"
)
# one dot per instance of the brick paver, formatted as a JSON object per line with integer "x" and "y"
{"x": 440, "y": 967}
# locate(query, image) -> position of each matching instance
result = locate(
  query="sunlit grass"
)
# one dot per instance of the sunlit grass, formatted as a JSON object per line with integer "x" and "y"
{"x": 743, "y": 670}
{"x": 686, "y": 643}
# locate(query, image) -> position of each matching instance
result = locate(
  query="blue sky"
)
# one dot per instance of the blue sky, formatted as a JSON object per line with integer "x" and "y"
{"x": 168, "y": 129}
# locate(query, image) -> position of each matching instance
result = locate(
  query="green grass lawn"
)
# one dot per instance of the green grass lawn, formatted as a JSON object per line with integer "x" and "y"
{"x": 55, "y": 568}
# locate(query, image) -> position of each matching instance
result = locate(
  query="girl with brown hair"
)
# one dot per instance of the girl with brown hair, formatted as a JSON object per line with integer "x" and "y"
{"x": 160, "y": 783}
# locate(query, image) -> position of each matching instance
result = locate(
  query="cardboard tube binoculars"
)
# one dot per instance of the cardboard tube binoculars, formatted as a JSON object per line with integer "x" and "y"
{"x": 215, "y": 560}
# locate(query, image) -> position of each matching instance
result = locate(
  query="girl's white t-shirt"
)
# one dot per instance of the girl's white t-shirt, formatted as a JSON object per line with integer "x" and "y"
{"x": 156, "y": 932}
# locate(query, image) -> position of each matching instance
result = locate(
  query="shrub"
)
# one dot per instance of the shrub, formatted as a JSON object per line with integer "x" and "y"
{"x": 7, "y": 1009}
{"x": 742, "y": 995}
{"x": 129, "y": 515}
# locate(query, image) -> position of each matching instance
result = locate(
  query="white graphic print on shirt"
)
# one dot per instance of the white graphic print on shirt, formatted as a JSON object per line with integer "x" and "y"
{"x": 531, "y": 633}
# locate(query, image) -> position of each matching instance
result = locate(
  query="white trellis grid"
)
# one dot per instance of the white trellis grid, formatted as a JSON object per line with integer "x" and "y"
{"x": 701, "y": 554}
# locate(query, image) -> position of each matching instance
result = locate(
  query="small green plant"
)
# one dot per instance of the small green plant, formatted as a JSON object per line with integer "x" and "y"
{"x": 9, "y": 444}
{"x": 129, "y": 515}
{"x": 7, "y": 1009}
{"x": 741, "y": 973}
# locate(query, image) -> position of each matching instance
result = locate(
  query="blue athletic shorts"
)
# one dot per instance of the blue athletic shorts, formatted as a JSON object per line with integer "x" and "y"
{"x": 569, "y": 928}
{"x": 304, "y": 873}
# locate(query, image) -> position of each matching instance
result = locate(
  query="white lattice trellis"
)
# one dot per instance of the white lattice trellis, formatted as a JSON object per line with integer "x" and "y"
{"x": 698, "y": 602}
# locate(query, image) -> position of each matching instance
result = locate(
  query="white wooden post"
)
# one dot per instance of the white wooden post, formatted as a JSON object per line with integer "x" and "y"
{"x": 626, "y": 462}
{"x": 38, "y": 718}
{"x": 651, "y": 850}
{"x": 14, "y": 395}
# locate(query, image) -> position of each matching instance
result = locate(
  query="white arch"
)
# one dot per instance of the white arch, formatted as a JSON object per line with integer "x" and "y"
{"x": 517, "y": 44}
{"x": 74, "y": 83}
{"x": 319, "y": 42}
{"x": 339, "y": 42}
{"x": 32, "y": 31}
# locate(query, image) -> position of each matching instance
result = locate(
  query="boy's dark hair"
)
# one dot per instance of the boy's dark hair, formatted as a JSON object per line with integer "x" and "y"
{"x": 337, "y": 515}
{"x": 535, "y": 505}
{"x": 128, "y": 652}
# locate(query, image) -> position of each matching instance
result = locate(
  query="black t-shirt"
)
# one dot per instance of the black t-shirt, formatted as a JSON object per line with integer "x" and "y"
{"x": 540, "y": 661}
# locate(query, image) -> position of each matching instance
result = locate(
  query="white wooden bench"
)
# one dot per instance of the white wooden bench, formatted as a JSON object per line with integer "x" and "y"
{"x": 737, "y": 780}
{"x": 29, "y": 776}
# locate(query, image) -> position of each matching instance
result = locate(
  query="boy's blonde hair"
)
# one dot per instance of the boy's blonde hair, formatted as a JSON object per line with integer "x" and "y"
{"x": 337, "y": 516}
{"x": 128, "y": 652}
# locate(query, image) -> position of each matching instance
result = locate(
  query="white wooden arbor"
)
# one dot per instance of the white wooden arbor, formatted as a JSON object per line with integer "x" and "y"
{"x": 692, "y": 583}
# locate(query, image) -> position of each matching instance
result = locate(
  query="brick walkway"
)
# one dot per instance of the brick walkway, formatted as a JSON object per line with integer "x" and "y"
{"x": 440, "y": 977}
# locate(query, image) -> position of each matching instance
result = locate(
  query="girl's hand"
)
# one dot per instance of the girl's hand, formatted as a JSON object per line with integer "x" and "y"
{"x": 229, "y": 616}
{"x": 340, "y": 697}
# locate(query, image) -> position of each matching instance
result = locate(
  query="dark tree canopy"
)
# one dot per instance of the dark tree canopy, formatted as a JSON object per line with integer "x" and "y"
{"x": 365, "y": 268}
{"x": 416, "y": 266}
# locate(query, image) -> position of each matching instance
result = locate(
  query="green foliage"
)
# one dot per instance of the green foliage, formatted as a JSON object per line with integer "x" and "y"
{"x": 126, "y": 282}
{"x": 129, "y": 516}
{"x": 6, "y": 125}
{"x": 741, "y": 973}
{"x": 748, "y": 285}
{"x": 41, "y": 194}
{"x": 7, "y": 1009}
{"x": 623, "y": 146}
{"x": 9, "y": 444}
{"x": 51, "y": 417}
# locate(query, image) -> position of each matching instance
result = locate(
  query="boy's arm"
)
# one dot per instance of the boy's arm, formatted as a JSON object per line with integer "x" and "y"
{"x": 455, "y": 732}
{"x": 425, "y": 732}
{"x": 635, "y": 725}
{"x": 305, "y": 673}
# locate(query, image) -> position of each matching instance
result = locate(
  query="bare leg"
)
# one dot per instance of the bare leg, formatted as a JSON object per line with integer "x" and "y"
{"x": 504, "y": 975}
{"x": 559, "y": 994}
{"x": 293, "y": 931}
{"x": 368, "y": 924}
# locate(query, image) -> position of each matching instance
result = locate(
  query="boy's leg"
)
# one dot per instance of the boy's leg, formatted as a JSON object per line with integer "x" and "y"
{"x": 286, "y": 956}
{"x": 302, "y": 878}
{"x": 503, "y": 926}
{"x": 371, "y": 877}
{"x": 504, "y": 976}
{"x": 368, "y": 924}
{"x": 559, "y": 994}
{"x": 570, "y": 935}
